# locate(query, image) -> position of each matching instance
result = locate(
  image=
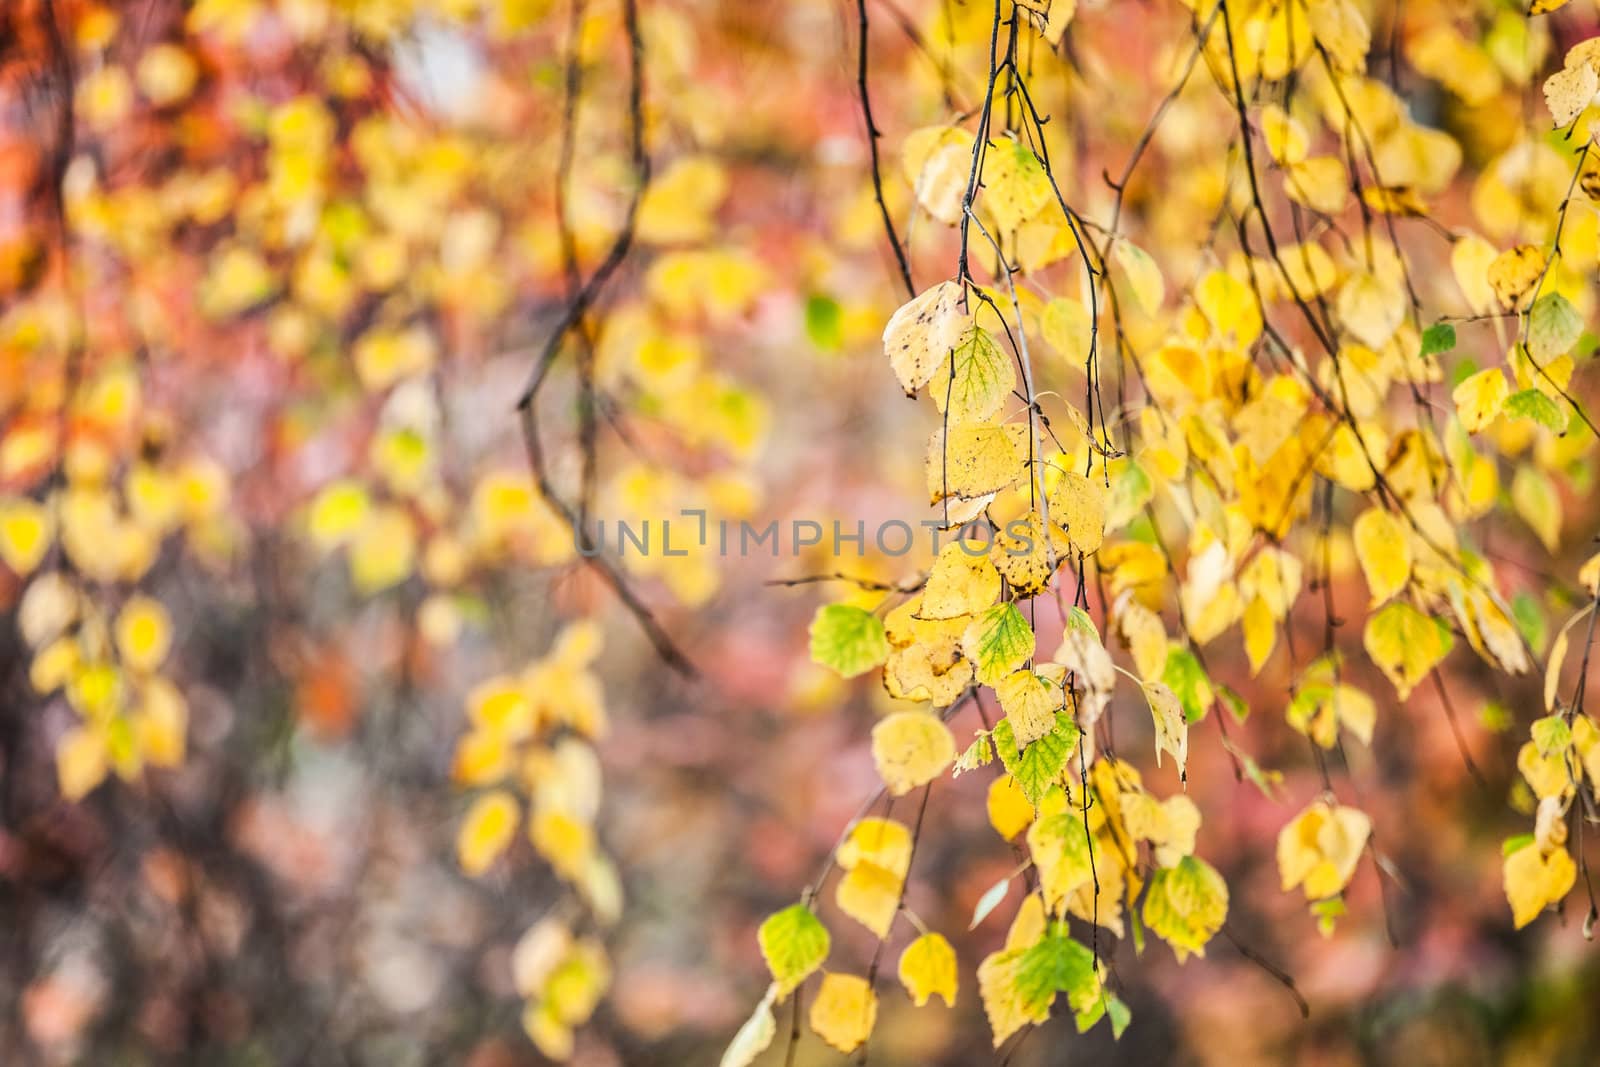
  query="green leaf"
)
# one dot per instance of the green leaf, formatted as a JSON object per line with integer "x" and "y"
{"x": 1078, "y": 619}
{"x": 1537, "y": 503}
{"x": 989, "y": 901}
{"x": 1263, "y": 779}
{"x": 1057, "y": 964}
{"x": 1185, "y": 905}
{"x": 1120, "y": 1017}
{"x": 1534, "y": 405}
{"x": 978, "y": 754}
{"x": 1554, "y": 326}
{"x": 1327, "y": 913}
{"x": 794, "y": 943}
{"x": 1515, "y": 843}
{"x": 998, "y": 642}
{"x": 1551, "y": 735}
{"x": 847, "y": 639}
{"x": 1131, "y": 490}
{"x": 1103, "y": 1006}
{"x": 824, "y": 322}
{"x": 1495, "y": 717}
{"x": 1037, "y": 767}
{"x": 1234, "y": 703}
{"x": 1465, "y": 368}
{"x": 1440, "y": 337}
{"x": 979, "y": 380}
{"x": 1185, "y": 677}
{"x": 1530, "y": 620}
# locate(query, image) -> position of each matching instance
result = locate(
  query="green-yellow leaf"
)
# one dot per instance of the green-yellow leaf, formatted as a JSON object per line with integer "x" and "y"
{"x": 1038, "y": 766}
{"x": 1534, "y": 496}
{"x": 978, "y": 381}
{"x": 998, "y": 642}
{"x": 847, "y": 639}
{"x": 794, "y": 943}
{"x": 1185, "y": 905}
{"x": 1406, "y": 644}
{"x": 1554, "y": 326}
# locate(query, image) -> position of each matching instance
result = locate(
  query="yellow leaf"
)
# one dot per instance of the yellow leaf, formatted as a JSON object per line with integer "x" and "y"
{"x": 144, "y": 633}
{"x": 385, "y": 357}
{"x": 166, "y": 74}
{"x": 566, "y": 843}
{"x": 962, "y": 582}
{"x": 1384, "y": 551}
{"x": 923, "y": 333}
{"x": 975, "y": 460}
{"x": 1535, "y": 881}
{"x": 1172, "y": 729}
{"x": 1319, "y": 183}
{"x": 1371, "y": 309}
{"x": 928, "y": 968}
{"x": 1007, "y": 1009}
{"x": 844, "y": 1012}
{"x": 1067, "y": 327}
{"x": 161, "y": 723}
{"x": 1480, "y": 398}
{"x": 26, "y": 530}
{"x": 870, "y": 895}
{"x": 384, "y": 551}
{"x": 1286, "y": 138}
{"x": 1470, "y": 258}
{"x": 1144, "y": 278}
{"x": 1552, "y": 670}
{"x": 1078, "y": 505}
{"x": 1569, "y": 90}
{"x": 1320, "y": 848}
{"x": 1009, "y": 810}
{"x": 1341, "y": 29}
{"x": 486, "y": 831}
{"x": 1230, "y": 307}
{"x": 1260, "y": 633}
{"x": 678, "y": 205}
{"x": 937, "y": 161}
{"x": 1514, "y": 273}
{"x": 1588, "y": 575}
{"x": 1146, "y": 638}
{"x": 881, "y": 841}
{"x": 1015, "y": 185}
{"x": 911, "y": 748}
{"x": 81, "y": 762}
